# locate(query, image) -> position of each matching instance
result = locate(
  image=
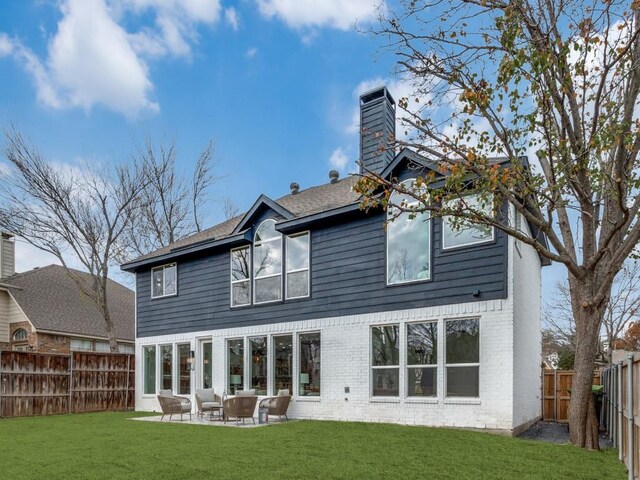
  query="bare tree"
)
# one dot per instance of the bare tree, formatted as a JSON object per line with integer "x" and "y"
{"x": 70, "y": 212}
{"x": 230, "y": 209}
{"x": 171, "y": 202}
{"x": 622, "y": 308}
{"x": 559, "y": 79}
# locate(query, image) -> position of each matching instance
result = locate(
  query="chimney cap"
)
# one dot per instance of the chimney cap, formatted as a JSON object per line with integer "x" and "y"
{"x": 294, "y": 188}
{"x": 333, "y": 176}
{"x": 376, "y": 93}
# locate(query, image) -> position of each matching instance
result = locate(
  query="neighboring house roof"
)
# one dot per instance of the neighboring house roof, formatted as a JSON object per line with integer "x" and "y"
{"x": 304, "y": 203}
{"x": 52, "y": 301}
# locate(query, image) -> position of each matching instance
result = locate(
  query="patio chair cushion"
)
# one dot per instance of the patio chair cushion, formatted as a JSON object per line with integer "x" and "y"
{"x": 166, "y": 393}
{"x": 206, "y": 394}
{"x": 283, "y": 393}
{"x": 246, "y": 393}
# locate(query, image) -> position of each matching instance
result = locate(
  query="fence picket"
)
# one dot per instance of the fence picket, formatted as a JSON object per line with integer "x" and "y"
{"x": 45, "y": 384}
{"x": 621, "y": 424}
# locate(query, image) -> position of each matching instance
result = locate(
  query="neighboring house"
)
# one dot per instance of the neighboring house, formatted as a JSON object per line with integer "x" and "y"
{"x": 418, "y": 323}
{"x": 44, "y": 310}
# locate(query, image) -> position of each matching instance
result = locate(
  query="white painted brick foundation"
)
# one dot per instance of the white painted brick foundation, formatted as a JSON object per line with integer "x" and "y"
{"x": 345, "y": 362}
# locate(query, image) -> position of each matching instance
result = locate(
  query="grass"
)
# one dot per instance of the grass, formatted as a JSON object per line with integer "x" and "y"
{"x": 109, "y": 445}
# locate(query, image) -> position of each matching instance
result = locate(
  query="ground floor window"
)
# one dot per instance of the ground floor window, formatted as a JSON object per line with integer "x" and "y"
{"x": 149, "y": 367}
{"x": 422, "y": 359}
{"x": 184, "y": 369}
{"x": 166, "y": 365}
{"x": 259, "y": 364}
{"x": 309, "y": 378}
{"x": 283, "y": 363}
{"x": 462, "y": 358}
{"x": 207, "y": 365}
{"x": 385, "y": 356}
{"x": 235, "y": 362}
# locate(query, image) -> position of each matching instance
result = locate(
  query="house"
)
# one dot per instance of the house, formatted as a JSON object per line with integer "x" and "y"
{"x": 44, "y": 310}
{"x": 419, "y": 323}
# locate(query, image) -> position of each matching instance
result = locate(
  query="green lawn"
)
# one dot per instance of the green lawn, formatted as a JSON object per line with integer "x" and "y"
{"x": 109, "y": 445}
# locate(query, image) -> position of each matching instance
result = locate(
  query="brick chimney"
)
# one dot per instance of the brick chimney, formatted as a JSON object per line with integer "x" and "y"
{"x": 377, "y": 129}
{"x": 7, "y": 254}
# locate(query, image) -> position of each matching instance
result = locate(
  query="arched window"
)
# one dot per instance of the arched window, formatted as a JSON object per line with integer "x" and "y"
{"x": 19, "y": 334}
{"x": 267, "y": 263}
{"x": 408, "y": 240}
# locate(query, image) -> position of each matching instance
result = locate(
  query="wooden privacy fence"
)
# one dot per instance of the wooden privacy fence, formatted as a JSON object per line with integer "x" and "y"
{"x": 47, "y": 384}
{"x": 621, "y": 412}
{"x": 556, "y": 386}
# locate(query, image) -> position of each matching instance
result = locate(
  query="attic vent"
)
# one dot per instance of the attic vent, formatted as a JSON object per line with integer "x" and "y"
{"x": 333, "y": 176}
{"x": 295, "y": 188}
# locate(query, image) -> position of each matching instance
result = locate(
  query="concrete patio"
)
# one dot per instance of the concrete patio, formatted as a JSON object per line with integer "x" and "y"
{"x": 195, "y": 420}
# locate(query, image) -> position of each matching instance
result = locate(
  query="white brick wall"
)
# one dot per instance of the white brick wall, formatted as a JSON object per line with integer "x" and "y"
{"x": 345, "y": 362}
{"x": 526, "y": 287}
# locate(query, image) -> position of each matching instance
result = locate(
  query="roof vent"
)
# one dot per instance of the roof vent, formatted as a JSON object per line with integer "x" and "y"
{"x": 294, "y": 188}
{"x": 333, "y": 176}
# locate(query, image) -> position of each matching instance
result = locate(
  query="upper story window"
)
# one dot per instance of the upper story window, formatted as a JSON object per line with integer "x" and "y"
{"x": 297, "y": 262}
{"x": 408, "y": 241}
{"x": 240, "y": 276}
{"x": 466, "y": 233}
{"x": 164, "y": 281}
{"x": 267, "y": 263}
{"x": 19, "y": 334}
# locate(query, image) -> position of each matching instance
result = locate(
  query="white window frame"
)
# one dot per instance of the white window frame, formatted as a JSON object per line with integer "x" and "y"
{"x": 235, "y": 282}
{"x": 463, "y": 245}
{"x": 430, "y": 248}
{"x": 253, "y": 273}
{"x": 173, "y": 365}
{"x": 144, "y": 369}
{"x": 164, "y": 267}
{"x": 22, "y": 339}
{"x": 271, "y": 361}
{"x": 297, "y": 357}
{"x": 431, "y": 365}
{"x": 373, "y": 367}
{"x": 200, "y": 369}
{"x": 176, "y": 368}
{"x": 308, "y": 269}
{"x": 453, "y": 365}
{"x": 227, "y": 376}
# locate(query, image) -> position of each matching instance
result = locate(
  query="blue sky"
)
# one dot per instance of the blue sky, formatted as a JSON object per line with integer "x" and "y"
{"x": 274, "y": 83}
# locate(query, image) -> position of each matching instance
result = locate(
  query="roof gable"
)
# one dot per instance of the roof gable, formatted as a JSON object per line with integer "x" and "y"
{"x": 263, "y": 202}
{"x": 409, "y": 156}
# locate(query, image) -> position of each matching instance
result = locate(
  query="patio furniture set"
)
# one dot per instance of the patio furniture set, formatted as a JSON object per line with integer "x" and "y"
{"x": 238, "y": 407}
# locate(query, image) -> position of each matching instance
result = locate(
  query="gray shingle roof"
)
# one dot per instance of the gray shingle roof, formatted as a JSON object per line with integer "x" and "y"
{"x": 306, "y": 202}
{"x": 52, "y": 301}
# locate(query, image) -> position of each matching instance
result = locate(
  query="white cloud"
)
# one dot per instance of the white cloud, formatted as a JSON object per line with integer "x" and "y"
{"x": 6, "y": 45}
{"x": 314, "y": 14}
{"x": 251, "y": 52}
{"x": 93, "y": 60}
{"x": 232, "y": 18}
{"x": 29, "y": 257}
{"x": 339, "y": 159}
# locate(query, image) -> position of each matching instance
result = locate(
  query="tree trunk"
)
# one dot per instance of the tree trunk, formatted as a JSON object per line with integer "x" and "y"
{"x": 113, "y": 341}
{"x": 583, "y": 424}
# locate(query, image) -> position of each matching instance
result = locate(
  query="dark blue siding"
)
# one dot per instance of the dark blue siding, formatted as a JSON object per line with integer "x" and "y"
{"x": 348, "y": 276}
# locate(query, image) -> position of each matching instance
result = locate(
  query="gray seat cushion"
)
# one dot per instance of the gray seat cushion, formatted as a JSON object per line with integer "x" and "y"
{"x": 246, "y": 393}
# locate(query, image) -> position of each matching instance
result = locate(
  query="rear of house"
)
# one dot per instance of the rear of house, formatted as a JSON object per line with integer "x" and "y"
{"x": 418, "y": 323}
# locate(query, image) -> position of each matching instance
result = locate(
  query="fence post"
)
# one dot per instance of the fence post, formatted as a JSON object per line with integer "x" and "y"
{"x": 630, "y": 427}
{"x": 70, "y": 380}
{"x": 555, "y": 394}
{"x": 126, "y": 395}
{"x": 619, "y": 410}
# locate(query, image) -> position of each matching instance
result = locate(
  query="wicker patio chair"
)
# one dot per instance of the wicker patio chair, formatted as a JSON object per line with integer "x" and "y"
{"x": 240, "y": 407}
{"x": 207, "y": 401}
{"x": 171, "y": 404}
{"x": 277, "y": 405}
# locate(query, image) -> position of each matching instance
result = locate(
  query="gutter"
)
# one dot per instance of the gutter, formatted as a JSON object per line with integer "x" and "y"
{"x": 187, "y": 250}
